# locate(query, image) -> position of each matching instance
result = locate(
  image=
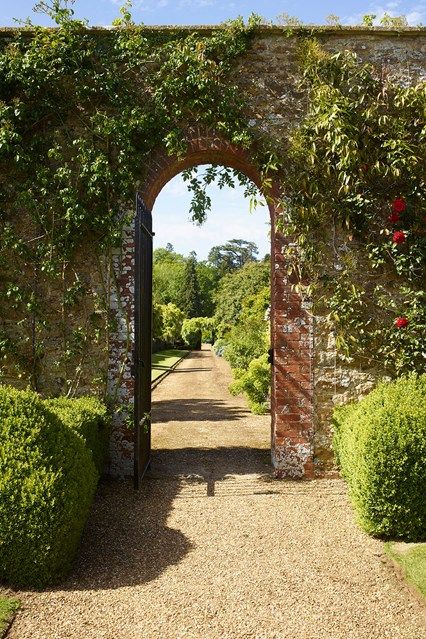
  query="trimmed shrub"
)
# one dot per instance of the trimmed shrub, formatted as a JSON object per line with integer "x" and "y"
{"x": 88, "y": 417}
{"x": 380, "y": 443}
{"x": 47, "y": 483}
{"x": 255, "y": 383}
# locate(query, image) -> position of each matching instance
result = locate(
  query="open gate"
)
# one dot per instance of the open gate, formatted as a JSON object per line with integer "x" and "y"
{"x": 142, "y": 353}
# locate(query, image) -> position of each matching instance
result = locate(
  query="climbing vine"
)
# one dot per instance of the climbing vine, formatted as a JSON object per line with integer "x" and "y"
{"x": 355, "y": 203}
{"x": 81, "y": 111}
{"x": 354, "y": 194}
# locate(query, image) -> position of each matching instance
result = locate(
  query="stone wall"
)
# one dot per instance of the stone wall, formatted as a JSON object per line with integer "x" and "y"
{"x": 308, "y": 378}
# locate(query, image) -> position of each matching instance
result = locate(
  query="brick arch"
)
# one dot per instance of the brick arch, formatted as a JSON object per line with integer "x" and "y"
{"x": 291, "y": 323}
{"x": 204, "y": 146}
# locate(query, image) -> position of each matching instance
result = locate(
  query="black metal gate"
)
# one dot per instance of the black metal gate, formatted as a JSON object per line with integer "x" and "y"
{"x": 143, "y": 339}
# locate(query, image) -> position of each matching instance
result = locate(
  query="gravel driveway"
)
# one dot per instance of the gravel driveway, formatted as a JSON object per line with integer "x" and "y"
{"x": 213, "y": 548}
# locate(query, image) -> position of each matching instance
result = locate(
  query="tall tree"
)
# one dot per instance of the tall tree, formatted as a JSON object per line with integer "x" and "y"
{"x": 233, "y": 255}
{"x": 191, "y": 295}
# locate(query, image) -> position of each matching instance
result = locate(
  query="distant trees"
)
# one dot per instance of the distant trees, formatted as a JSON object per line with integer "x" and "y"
{"x": 234, "y": 288}
{"x": 169, "y": 275}
{"x": 232, "y": 255}
{"x": 227, "y": 296}
{"x": 190, "y": 292}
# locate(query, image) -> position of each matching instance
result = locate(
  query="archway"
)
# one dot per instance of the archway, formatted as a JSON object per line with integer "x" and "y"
{"x": 291, "y": 323}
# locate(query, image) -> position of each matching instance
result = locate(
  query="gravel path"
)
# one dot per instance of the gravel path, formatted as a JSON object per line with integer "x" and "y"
{"x": 213, "y": 548}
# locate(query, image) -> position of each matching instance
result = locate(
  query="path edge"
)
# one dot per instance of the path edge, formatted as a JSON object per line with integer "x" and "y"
{"x": 159, "y": 379}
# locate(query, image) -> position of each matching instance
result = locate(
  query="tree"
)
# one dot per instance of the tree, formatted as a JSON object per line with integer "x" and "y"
{"x": 190, "y": 293}
{"x": 232, "y": 255}
{"x": 234, "y": 288}
{"x": 168, "y": 274}
{"x": 208, "y": 278}
{"x": 172, "y": 323}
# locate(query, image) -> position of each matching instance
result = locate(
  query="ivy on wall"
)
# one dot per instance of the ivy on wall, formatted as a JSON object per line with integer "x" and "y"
{"x": 81, "y": 111}
{"x": 354, "y": 206}
{"x": 355, "y": 203}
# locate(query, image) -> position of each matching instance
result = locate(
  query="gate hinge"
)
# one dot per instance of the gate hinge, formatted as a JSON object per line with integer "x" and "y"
{"x": 136, "y": 363}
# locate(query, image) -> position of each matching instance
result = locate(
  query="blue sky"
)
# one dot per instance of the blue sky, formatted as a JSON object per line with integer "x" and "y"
{"x": 102, "y": 12}
{"x": 229, "y": 217}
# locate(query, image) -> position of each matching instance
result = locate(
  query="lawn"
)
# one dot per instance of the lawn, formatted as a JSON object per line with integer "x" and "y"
{"x": 8, "y": 607}
{"x": 412, "y": 559}
{"x": 164, "y": 360}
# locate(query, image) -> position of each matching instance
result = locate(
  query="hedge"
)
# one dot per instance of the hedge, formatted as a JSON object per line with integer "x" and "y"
{"x": 88, "y": 417}
{"x": 47, "y": 483}
{"x": 380, "y": 443}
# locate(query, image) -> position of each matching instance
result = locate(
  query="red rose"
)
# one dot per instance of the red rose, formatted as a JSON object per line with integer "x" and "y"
{"x": 399, "y": 237}
{"x": 399, "y": 205}
{"x": 394, "y": 218}
{"x": 401, "y": 322}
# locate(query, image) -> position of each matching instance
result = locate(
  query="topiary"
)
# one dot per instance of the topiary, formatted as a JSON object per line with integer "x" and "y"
{"x": 47, "y": 482}
{"x": 88, "y": 417}
{"x": 381, "y": 448}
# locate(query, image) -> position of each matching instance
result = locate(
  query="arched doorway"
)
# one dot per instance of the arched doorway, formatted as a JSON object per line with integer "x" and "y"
{"x": 291, "y": 323}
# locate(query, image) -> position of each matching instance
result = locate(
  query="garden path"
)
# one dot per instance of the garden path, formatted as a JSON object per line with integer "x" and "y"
{"x": 213, "y": 548}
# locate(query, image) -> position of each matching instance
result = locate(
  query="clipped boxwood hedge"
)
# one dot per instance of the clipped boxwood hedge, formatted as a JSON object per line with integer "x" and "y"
{"x": 380, "y": 443}
{"x": 47, "y": 483}
{"x": 88, "y": 417}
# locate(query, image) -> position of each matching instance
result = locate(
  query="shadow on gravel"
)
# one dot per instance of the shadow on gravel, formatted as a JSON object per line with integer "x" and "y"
{"x": 196, "y": 410}
{"x": 210, "y": 463}
{"x": 127, "y": 541}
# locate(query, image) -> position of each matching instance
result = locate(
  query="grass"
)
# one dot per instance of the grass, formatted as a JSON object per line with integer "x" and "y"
{"x": 164, "y": 360}
{"x": 8, "y": 607}
{"x": 412, "y": 560}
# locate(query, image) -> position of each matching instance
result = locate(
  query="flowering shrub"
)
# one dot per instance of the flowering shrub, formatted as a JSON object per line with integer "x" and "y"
{"x": 399, "y": 237}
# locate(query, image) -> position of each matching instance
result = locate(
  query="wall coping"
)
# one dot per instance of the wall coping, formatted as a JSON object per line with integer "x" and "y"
{"x": 260, "y": 30}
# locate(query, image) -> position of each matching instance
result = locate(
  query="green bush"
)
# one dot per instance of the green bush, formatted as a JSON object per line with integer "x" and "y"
{"x": 88, "y": 417}
{"x": 195, "y": 329}
{"x": 255, "y": 383}
{"x": 380, "y": 443}
{"x": 47, "y": 483}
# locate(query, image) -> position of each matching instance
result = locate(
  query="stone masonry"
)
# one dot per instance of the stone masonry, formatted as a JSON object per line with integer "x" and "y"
{"x": 308, "y": 378}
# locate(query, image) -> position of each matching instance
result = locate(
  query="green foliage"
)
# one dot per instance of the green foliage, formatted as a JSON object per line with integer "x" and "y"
{"x": 47, "y": 483}
{"x": 249, "y": 337}
{"x": 81, "y": 113}
{"x": 245, "y": 333}
{"x": 208, "y": 278}
{"x": 234, "y": 288}
{"x": 168, "y": 280}
{"x": 193, "y": 330}
{"x": 360, "y": 149}
{"x": 381, "y": 447}
{"x": 168, "y": 274}
{"x": 172, "y": 319}
{"x": 88, "y": 418}
{"x": 254, "y": 382}
{"x": 190, "y": 293}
